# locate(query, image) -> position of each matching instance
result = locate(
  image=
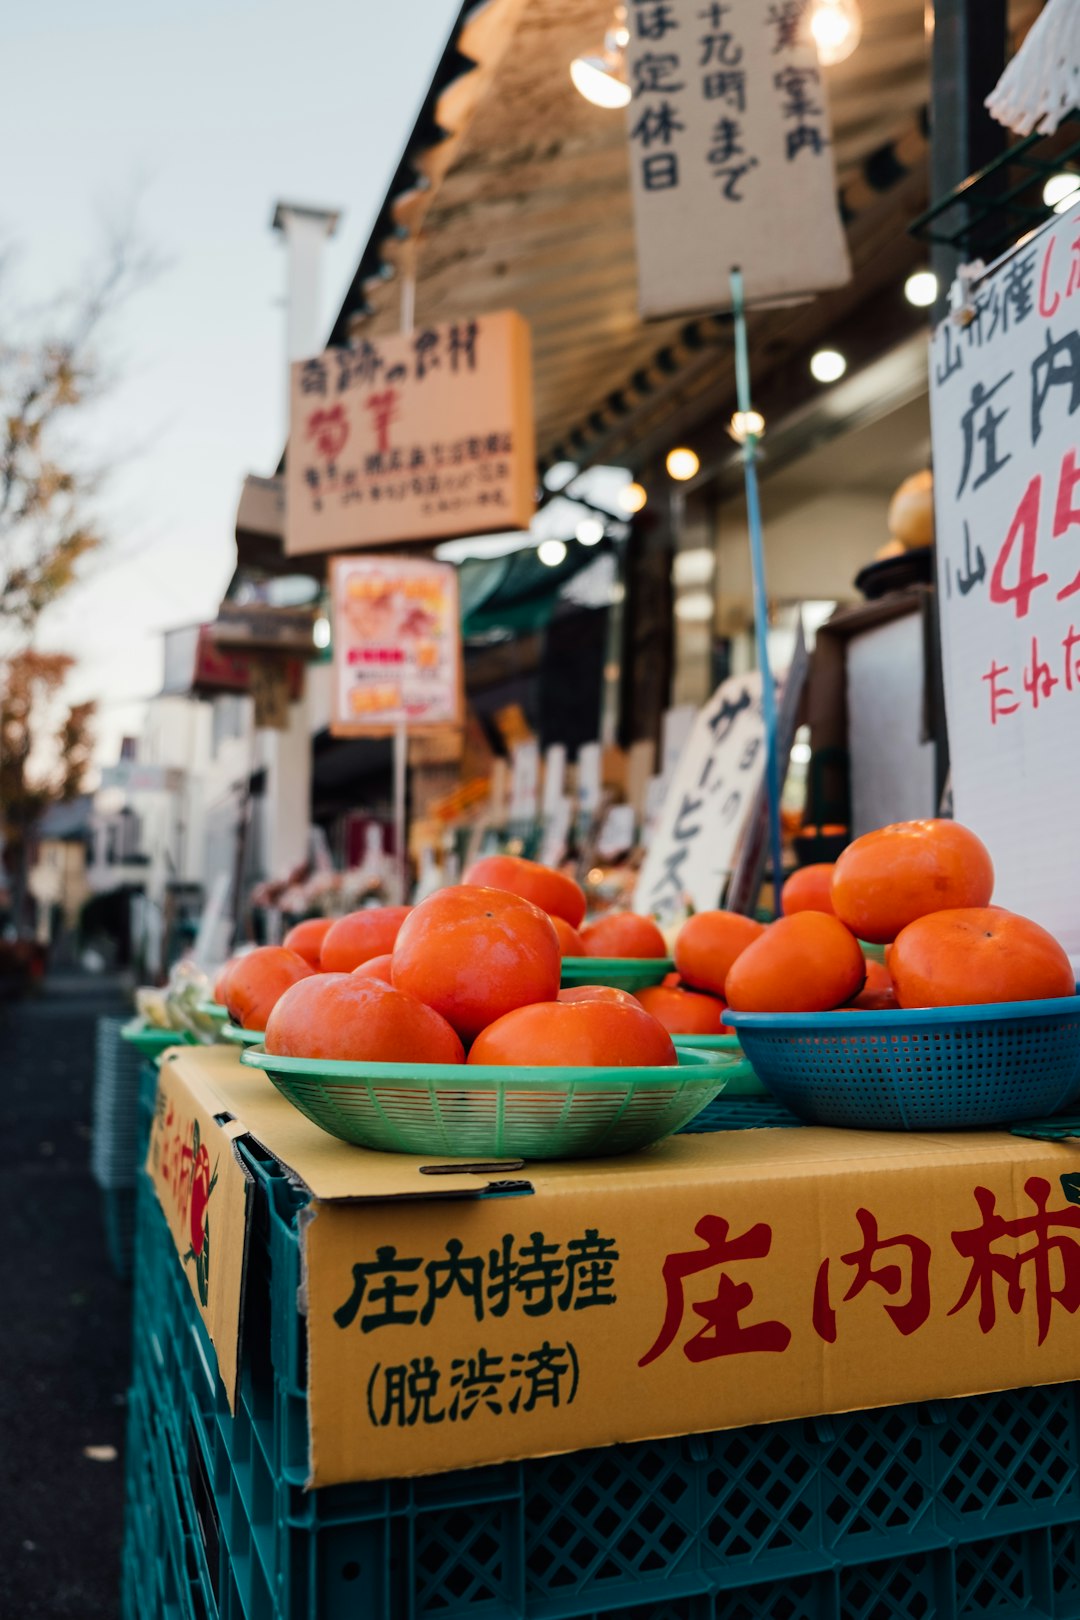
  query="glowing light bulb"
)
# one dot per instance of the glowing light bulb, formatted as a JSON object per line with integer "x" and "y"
{"x": 837, "y": 28}
{"x": 920, "y": 288}
{"x": 827, "y": 366}
{"x": 599, "y": 79}
{"x": 745, "y": 423}
{"x": 1060, "y": 192}
{"x": 320, "y": 633}
{"x": 590, "y": 531}
{"x": 682, "y": 464}
{"x": 551, "y": 553}
{"x": 632, "y": 497}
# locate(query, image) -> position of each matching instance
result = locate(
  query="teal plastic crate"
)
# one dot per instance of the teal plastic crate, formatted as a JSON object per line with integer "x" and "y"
{"x": 946, "y": 1510}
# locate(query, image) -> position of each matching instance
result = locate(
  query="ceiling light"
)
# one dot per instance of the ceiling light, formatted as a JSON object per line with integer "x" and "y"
{"x": 682, "y": 464}
{"x": 827, "y": 366}
{"x": 599, "y": 80}
{"x": 745, "y": 423}
{"x": 559, "y": 475}
{"x": 632, "y": 497}
{"x": 693, "y": 567}
{"x": 551, "y": 553}
{"x": 694, "y": 608}
{"x": 920, "y": 288}
{"x": 837, "y": 28}
{"x": 320, "y": 633}
{"x": 590, "y": 531}
{"x": 1059, "y": 192}
{"x": 601, "y": 75}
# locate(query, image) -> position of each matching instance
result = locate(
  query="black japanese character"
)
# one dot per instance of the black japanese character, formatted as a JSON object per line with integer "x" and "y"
{"x": 386, "y": 1265}
{"x": 540, "y": 1275}
{"x": 543, "y": 1372}
{"x": 654, "y": 21}
{"x": 657, "y": 124}
{"x": 465, "y": 1276}
{"x": 660, "y": 172}
{"x": 462, "y": 345}
{"x": 727, "y": 138}
{"x": 1058, "y": 366}
{"x": 803, "y": 138}
{"x": 476, "y": 1380}
{"x": 984, "y": 431}
{"x": 975, "y": 571}
{"x": 313, "y": 377}
{"x": 425, "y": 345}
{"x": 786, "y": 18}
{"x": 796, "y": 84}
{"x": 721, "y": 49}
{"x": 727, "y": 714}
{"x": 590, "y": 1262}
{"x": 653, "y": 74}
{"x": 728, "y": 86}
{"x": 409, "y": 1393}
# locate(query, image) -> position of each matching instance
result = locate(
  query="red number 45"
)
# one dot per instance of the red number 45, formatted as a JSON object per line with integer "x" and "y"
{"x": 1023, "y": 536}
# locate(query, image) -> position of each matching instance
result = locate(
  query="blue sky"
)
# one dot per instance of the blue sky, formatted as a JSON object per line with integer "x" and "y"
{"x": 207, "y": 113}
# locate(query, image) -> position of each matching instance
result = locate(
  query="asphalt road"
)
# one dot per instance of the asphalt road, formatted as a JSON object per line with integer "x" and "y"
{"x": 66, "y": 1319}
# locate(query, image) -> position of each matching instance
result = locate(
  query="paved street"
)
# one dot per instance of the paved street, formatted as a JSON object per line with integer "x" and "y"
{"x": 66, "y": 1323}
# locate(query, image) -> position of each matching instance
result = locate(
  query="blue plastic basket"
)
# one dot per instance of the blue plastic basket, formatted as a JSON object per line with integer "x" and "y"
{"x": 938, "y": 1068}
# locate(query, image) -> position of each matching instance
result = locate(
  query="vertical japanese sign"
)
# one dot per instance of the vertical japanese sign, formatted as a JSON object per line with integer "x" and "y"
{"x": 709, "y": 803}
{"x": 1005, "y": 393}
{"x": 730, "y": 154}
{"x": 412, "y": 437}
{"x": 397, "y": 645}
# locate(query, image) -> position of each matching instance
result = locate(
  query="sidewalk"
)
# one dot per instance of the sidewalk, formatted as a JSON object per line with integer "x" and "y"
{"x": 66, "y": 1328}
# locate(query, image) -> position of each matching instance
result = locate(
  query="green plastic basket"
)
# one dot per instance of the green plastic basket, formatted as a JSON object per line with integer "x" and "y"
{"x": 873, "y": 953}
{"x": 620, "y": 972}
{"x": 150, "y": 1041}
{"x": 742, "y": 1081}
{"x": 214, "y": 1011}
{"x": 242, "y": 1037}
{"x": 479, "y": 1111}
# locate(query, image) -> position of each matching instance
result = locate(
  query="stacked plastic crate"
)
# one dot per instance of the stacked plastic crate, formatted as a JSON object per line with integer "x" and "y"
{"x": 114, "y": 1144}
{"x": 948, "y": 1511}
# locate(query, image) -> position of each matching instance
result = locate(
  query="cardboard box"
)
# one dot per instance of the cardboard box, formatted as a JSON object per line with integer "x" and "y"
{"x": 713, "y": 1281}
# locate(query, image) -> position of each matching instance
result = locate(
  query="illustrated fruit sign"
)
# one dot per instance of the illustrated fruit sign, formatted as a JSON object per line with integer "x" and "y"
{"x": 1005, "y": 393}
{"x": 416, "y": 436}
{"x": 397, "y": 645}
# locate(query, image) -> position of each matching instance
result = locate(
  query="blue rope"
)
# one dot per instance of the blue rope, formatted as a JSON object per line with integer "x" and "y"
{"x": 757, "y": 564}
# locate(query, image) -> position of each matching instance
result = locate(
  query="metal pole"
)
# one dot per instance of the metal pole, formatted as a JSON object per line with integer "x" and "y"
{"x": 761, "y": 601}
{"x": 401, "y": 752}
{"x": 967, "y": 59}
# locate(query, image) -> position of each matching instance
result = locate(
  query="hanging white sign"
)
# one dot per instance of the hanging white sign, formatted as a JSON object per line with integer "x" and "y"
{"x": 709, "y": 800}
{"x": 1005, "y": 397}
{"x": 731, "y": 156}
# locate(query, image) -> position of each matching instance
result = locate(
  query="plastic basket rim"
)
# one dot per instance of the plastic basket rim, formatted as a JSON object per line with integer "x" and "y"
{"x": 707, "y": 1043}
{"x": 138, "y": 1029}
{"x": 212, "y": 1009}
{"x": 909, "y": 1018}
{"x": 240, "y": 1036}
{"x": 605, "y": 964}
{"x": 693, "y": 1064}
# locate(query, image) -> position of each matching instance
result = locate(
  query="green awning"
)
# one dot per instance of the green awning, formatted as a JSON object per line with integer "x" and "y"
{"x": 517, "y": 593}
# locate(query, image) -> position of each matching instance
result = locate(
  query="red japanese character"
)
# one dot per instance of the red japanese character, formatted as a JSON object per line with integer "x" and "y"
{"x": 998, "y": 694}
{"x": 384, "y": 410}
{"x": 723, "y": 1333}
{"x": 976, "y": 1245}
{"x": 329, "y": 428}
{"x": 909, "y": 1315}
{"x": 1069, "y": 644}
{"x": 1038, "y": 681}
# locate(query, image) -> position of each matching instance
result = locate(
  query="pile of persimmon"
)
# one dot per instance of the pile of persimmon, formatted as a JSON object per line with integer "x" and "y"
{"x": 923, "y": 890}
{"x": 473, "y": 970}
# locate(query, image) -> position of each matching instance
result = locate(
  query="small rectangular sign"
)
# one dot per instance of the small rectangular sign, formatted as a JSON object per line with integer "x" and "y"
{"x": 397, "y": 645}
{"x": 731, "y": 156}
{"x": 415, "y": 436}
